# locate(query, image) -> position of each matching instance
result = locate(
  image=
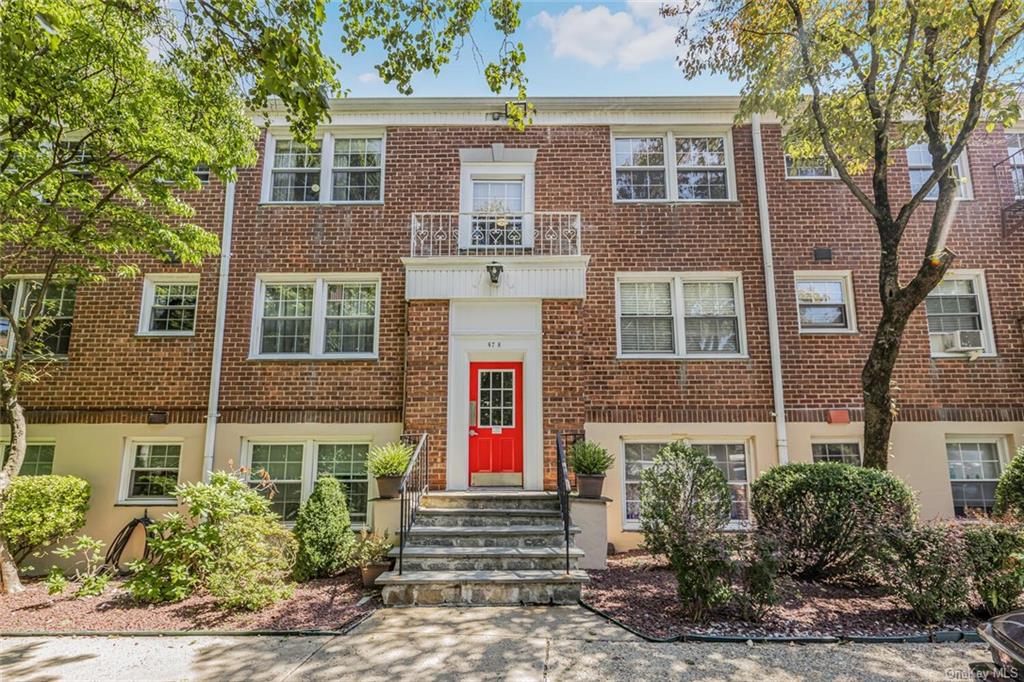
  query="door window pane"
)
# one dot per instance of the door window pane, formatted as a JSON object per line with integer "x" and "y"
{"x": 496, "y": 395}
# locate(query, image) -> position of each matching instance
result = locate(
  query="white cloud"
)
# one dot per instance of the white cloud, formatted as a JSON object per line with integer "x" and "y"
{"x": 599, "y": 37}
{"x": 369, "y": 77}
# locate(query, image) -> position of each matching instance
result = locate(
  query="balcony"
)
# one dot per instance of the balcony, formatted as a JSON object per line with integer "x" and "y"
{"x": 544, "y": 233}
{"x": 495, "y": 255}
{"x": 1010, "y": 172}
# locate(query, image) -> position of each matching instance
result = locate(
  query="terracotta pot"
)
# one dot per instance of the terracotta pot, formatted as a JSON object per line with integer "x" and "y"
{"x": 372, "y": 571}
{"x": 589, "y": 486}
{"x": 387, "y": 486}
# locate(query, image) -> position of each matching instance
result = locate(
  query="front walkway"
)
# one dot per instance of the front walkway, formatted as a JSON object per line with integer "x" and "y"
{"x": 483, "y": 643}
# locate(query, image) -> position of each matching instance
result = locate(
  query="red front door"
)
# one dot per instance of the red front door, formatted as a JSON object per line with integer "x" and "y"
{"x": 496, "y": 423}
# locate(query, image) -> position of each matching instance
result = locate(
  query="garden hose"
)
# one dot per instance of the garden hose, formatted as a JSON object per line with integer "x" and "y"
{"x": 117, "y": 546}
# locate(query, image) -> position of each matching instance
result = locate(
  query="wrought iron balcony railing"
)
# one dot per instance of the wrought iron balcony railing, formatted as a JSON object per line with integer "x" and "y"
{"x": 1010, "y": 173}
{"x": 543, "y": 233}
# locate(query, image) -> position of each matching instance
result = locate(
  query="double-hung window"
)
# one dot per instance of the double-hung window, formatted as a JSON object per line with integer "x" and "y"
{"x": 496, "y": 202}
{"x": 53, "y": 323}
{"x": 673, "y": 166}
{"x": 843, "y": 452}
{"x": 326, "y": 316}
{"x": 695, "y": 315}
{"x": 1015, "y": 150}
{"x": 292, "y": 467}
{"x": 958, "y": 316}
{"x": 809, "y": 168}
{"x": 825, "y": 302}
{"x": 975, "y": 465}
{"x": 336, "y": 168}
{"x": 919, "y": 164}
{"x": 38, "y": 459}
{"x": 150, "y": 472}
{"x": 169, "y": 305}
{"x": 730, "y": 458}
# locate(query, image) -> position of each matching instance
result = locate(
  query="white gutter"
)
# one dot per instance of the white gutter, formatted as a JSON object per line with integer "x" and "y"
{"x": 212, "y": 412}
{"x": 778, "y": 399}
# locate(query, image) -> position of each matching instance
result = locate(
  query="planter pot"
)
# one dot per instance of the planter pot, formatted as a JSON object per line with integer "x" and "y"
{"x": 589, "y": 486}
{"x": 387, "y": 486}
{"x": 372, "y": 571}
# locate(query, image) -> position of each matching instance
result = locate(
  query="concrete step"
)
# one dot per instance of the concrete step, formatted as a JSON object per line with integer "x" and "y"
{"x": 426, "y": 588}
{"x": 463, "y": 516}
{"x": 487, "y": 558}
{"x": 491, "y": 499}
{"x": 489, "y": 536}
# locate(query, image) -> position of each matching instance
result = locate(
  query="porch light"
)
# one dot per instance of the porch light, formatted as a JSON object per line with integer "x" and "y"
{"x": 494, "y": 270}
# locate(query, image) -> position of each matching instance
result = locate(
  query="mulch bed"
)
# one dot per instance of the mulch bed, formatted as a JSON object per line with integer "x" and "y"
{"x": 640, "y": 591}
{"x": 327, "y": 604}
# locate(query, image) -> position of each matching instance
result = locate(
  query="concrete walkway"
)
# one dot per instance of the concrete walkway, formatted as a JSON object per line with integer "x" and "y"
{"x": 423, "y": 644}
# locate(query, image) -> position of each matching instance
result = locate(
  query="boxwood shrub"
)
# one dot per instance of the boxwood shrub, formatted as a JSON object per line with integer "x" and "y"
{"x": 926, "y": 567}
{"x": 1010, "y": 489}
{"x": 324, "y": 531}
{"x": 994, "y": 554}
{"x": 826, "y": 518}
{"x": 40, "y": 510}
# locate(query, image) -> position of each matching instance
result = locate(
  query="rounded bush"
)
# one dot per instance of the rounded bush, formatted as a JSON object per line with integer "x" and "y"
{"x": 926, "y": 567}
{"x": 1010, "y": 489}
{"x": 994, "y": 552}
{"x": 826, "y": 518}
{"x": 40, "y": 510}
{"x": 323, "y": 531}
{"x": 587, "y": 458}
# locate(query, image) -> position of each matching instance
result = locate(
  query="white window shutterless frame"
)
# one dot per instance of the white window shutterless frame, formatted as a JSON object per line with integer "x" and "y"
{"x": 677, "y": 159}
{"x": 319, "y": 319}
{"x": 327, "y": 169}
{"x": 483, "y": 182}
{"x": 174, "y": 314}
{"x": 959, "y": 302}
{"x": 919, "y": 168}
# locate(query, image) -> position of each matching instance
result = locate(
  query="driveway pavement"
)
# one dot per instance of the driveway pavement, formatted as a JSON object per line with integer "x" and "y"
{"x": 422, "y": 644}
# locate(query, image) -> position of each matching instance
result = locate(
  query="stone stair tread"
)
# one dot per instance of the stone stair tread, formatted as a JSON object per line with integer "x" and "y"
{"x": 488, "y": 552}
{"x": 495, "y": 493}
{"x": 497, "y": 577}
{"x": 490, "y": 530}
{"x": 488, "y": 511}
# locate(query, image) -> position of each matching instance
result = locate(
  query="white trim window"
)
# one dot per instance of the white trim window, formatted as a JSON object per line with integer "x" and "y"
{"x": 1015, "y": 150}
{"x": 293, "y": 466}
{"x": 824, "y": 302}
{"x": 695, "y": 315}
{"x": 975, "y": 465}
{"x": 686, "y": 166}
{"x": 38, "y": 459}
{"x": 729, "y": 457}
{"x": 309, "y": 316}
{"x": 55, "y": 321}
{"x": 150, "y": 472}
{"x": 919, "y": 165}
{"x": 959, "y": 321}
{"x": 169, "y": 305}
{"x": 338, "y": 168}
{"x": 496, "y": 201}
{"x": 841, "y": 451}
{"x": 816, "y": 168}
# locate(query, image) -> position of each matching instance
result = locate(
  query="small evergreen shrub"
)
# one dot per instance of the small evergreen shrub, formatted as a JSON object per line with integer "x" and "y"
{"x": 323, "y": 531}
{"x": 587, "y": 458}
{"x": 41, "y": 510}
{"x": 1010, "y": 489}
{"x": 825, "y": 519}
{"x": 253, "y": 562}
{"x": 995, "y": 554}
{"x": 926, "y": 567}
{"x": 390, "y": 459}
{"x": 755, "y": 576}
{"x": 684, "y": 507}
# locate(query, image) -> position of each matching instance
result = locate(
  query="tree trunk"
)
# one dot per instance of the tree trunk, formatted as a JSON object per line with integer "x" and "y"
{"x": 9, "y": 579}
{"x": 876, "y": 381}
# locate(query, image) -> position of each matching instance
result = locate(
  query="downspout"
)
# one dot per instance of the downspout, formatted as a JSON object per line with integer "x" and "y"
{"x": 774, "y": 346}
{"x": 212, "y": 411}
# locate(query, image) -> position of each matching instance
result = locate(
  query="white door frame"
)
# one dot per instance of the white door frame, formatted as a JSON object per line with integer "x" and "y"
{"x": 494, "y": 331}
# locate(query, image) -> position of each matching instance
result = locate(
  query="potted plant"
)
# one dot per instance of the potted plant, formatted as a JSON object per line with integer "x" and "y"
{"x": 387, "y": 463}
{"x": 371, "y": 556}
{"x": 589, "y": 461}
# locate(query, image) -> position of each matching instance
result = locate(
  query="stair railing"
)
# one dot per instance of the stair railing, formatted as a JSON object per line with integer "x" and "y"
{"x": 1010, "y": 172}
{"x": 414, "y": 484}
{"x": 564, "y": 488}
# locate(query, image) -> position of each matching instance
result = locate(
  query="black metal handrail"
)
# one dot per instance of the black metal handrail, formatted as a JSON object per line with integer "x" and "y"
{"x": 414, "y": 484}
{"x": 564, "y": 488}
{"x": 1012, "y": 191}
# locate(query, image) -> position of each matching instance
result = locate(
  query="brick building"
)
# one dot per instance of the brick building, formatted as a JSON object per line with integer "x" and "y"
{"x": 428, "y": 270}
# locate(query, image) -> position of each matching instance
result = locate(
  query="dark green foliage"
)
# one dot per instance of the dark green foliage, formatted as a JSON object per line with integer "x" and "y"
{"x": 1010, "y": 489}
{"x": 253, "y": 562}
{"x": 927, "y": 568}
{"x": 40, "y": 510}
{"x": 995, "y": 554}
{"x": 323, "y": 531}
{"x": 587, "y": 458}
{"x": 826, "y": 518}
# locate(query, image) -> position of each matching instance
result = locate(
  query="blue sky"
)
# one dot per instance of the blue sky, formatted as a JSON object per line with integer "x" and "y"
{"x": 572, "y": 49}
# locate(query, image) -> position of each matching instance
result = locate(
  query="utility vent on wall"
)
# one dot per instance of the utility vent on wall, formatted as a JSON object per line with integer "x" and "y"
{"x": 822, "y": 255}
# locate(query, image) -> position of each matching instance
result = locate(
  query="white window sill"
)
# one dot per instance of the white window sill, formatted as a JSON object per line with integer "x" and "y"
{"x": 150, "y": 502}
{"x": 708, "y": 356}
{"x": 934, "y": 199}
{"x": 166, "y": 334}
{"x": 379, "y": 202}
{"x": 961, "y": 356}
{"x": 306, "y": 357}
{"x": 727, "y": 202}
{"x": 815, "y": 332}
{"x": 813, "y": 178}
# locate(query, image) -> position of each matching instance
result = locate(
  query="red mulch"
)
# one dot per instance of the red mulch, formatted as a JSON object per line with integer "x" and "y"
{"x": 327, "y": 604}
{"x": 640, "y": 591}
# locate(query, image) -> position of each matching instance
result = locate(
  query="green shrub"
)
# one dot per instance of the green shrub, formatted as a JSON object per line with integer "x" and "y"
{"x": 253, "y": 563}
{"x": 390, "y": 459}
{"x": 41, "y": 510}
{"x": 995, "y": 554}
{"x": 91, "y": 575}
{"x": 825, "y": 518}
{"x": 1010, "y": 489}
{"x": 185, "y": 550}
{"x": 323, "y": 531}
{"x": 926, "y": 567}
{"x": 587, "y": 458}
{"x": 370, "y": 549}
{"x": 755, "y": 576}
{"x": 684, "y": 507}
